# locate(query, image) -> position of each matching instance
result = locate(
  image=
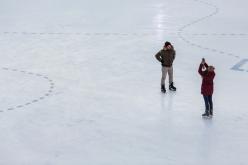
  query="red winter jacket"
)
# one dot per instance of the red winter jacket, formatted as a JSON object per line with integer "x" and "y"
{"x": 207, "y": 87}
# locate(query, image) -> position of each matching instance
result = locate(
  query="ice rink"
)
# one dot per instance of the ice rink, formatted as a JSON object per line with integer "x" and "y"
{"x": 80, "y": 84}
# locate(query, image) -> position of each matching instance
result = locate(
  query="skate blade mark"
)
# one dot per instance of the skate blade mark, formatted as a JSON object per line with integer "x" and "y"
{"x": 35, "y": 100}
{"x": 215, "y": 12}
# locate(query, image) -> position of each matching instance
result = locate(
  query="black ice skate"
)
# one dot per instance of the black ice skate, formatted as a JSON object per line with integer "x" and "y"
{"x": 172, "y": 88}
{"x": 163, "y": 90}
{"x": 206, "y": 114}
{"x": 211, "y": 113}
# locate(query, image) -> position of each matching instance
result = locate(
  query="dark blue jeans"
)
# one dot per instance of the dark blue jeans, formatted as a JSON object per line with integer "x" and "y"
{"x": 208, "y": 102}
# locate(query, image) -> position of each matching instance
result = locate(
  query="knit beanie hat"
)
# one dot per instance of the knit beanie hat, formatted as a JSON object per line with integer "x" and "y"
{"x": 167, "y": 43}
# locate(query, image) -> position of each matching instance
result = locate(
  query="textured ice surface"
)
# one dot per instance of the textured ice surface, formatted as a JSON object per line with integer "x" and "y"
{"x": 80, "y": 84}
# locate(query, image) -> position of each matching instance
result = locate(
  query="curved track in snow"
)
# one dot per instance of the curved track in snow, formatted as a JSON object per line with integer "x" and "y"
{"x": 215, "y": 12}
{"x": 33, "y": 100}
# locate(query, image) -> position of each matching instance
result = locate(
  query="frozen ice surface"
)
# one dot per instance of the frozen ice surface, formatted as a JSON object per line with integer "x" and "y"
{"x": 80, "y": 84}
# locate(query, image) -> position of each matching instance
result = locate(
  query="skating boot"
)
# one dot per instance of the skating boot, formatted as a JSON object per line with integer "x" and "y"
{"x": 206, "y": 114}
{"x": 163, "y": 90}
{"x": 172, "y": 88}
{"x": 211, "y": 113}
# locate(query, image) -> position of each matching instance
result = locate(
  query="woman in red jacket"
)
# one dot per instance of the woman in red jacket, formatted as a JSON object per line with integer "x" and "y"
{"x": 207, "y": 87}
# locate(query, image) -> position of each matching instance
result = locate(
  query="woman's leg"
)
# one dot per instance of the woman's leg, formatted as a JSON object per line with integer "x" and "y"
{"x": 210, "y": 104}
{"x": 206, "y": 104}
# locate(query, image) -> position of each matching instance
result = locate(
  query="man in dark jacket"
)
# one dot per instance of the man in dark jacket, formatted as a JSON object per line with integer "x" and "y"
{"x": 207, "y": 87}
{"x": 166, "y": 56}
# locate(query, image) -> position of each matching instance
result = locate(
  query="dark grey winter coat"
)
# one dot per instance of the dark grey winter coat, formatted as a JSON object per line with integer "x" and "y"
{"x": 166, "y": 57}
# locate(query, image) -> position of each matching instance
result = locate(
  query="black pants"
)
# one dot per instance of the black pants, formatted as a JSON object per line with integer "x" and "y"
{"x": 208, "y": 103}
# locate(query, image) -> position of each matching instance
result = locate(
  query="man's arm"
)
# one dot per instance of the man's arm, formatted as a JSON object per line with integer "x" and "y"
{"x": 174, "y": 55}
{"x": 158, "y": 56}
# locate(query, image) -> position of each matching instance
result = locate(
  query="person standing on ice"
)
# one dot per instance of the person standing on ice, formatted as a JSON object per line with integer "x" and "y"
{"x": 207, "y": 88}
{"x": 167, "y": 56}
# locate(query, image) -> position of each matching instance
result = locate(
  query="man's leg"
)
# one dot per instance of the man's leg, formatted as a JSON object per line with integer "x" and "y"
{"x": 170, "y": 71}
{"x": 171, "y": 86}
{"x": 164, "y": 73}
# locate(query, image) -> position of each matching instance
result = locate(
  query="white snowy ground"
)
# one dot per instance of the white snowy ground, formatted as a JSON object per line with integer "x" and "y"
{"x": 80, "y": 84}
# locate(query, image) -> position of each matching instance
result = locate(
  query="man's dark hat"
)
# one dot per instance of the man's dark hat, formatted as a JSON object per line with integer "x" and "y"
{"x": 167, "y": 43}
